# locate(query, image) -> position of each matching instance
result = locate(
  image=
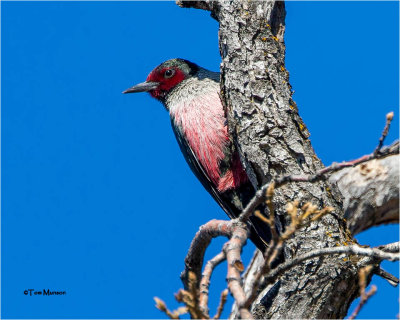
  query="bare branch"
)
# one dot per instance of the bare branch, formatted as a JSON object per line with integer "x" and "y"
{"x": 190, "y": 297}
{"x": 370, "y": 192}
{"x": 389, "y": 118}
{"x": 238, "y": 234}
{"x": 205, "y": 280}
{"x": 368, "y": 295}
{"x": 195, "y": 256}
{"x": 160, "y": 305}
{"x": 375, "y": 253}
{"x": 321, "y": 174}
{"x": 390, "y": 247}
{"x": 222, "y": 301}
{"x": 259, "y": 197}
{"x": 363, "y": 274}
{"x": 393, "y": 280}
{"x": 233, "y": 250}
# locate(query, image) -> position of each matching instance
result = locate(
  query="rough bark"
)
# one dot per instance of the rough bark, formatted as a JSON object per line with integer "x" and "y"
{"x": 273, "y": 141}
{"x": 370, "y": 193}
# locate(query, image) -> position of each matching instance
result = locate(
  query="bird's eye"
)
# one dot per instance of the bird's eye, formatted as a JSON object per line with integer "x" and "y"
{"x": 169, "y": 73}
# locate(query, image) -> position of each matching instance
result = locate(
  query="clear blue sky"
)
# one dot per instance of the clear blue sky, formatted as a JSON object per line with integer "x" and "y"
{"x": 97, "y": 199}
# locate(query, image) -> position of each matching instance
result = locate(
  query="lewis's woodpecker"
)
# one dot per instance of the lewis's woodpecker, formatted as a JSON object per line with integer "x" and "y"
{"x": 191, "y": 95}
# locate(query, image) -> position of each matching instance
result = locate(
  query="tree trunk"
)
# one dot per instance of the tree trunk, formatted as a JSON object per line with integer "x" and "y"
{"x": 273, "y": 141}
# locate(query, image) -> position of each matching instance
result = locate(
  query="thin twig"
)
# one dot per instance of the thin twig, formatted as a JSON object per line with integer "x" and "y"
{"x": 205, "y": 280}
{"x": 254, "y": 203}
{"x": 378, "y": 254}
{"x": 190, "y": 298}
{"x": 260, "y": 196}
{"x": 363, "y": 275}
{"x": 393, "y": 280}
{"x": 160, "y": 305}
{"x": 367, "y": 295}
{"x": 389, "y": 118}
{"x": 222, "y": 301}
{"x": 233, "y": 249}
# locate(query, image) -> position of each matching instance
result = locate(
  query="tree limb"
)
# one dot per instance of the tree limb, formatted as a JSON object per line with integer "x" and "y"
{"x": 374, "y": 253}
{"x": 370, "y": 193}
{"x": 195, "y": 256}
{"x": 205, "y": 281}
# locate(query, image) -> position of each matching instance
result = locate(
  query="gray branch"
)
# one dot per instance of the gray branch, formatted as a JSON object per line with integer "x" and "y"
{"x": 370, "y": 193}
{"x": 374, "y": 253}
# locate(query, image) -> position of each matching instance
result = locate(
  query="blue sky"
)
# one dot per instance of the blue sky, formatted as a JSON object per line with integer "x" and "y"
{"x": 97, "y": 199}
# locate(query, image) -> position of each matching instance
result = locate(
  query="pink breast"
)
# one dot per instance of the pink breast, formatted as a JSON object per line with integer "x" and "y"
{"x": 204, "y": 126}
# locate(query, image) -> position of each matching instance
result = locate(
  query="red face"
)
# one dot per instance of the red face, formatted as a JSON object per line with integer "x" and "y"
{"x": 167, "y": 78}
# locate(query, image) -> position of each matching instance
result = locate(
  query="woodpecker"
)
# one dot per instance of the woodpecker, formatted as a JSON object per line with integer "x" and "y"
{"x": 191, "y": 94}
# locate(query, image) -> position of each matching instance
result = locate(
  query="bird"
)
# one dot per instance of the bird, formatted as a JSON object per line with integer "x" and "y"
{"x": 191, "y": 95}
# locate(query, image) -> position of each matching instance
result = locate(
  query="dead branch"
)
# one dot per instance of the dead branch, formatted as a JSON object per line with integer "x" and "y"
{"x": 196, "y": 303}
{"x": 190, "y": 298}
{"x": 393, "y": 280}
{"x": 233, "y": 250}
{"x": 195, "y": 256}
{"x": 222, "y": 301}
{"x": 160, "y": 305}
{"x": 205, "y": 281}
{"x": 390, "y": 247}
{"x": 370, "y": 192}
{"x": 375, "y": 253}
{"x": 362, "y": 275}
{"x": 389, "y": 118}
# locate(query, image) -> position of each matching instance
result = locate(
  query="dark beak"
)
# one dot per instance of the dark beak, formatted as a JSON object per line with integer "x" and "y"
{"x": 142, "y": 87}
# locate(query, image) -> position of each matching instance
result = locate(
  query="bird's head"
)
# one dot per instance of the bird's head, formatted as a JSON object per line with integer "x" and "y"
{"x": 165, "y": 78}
